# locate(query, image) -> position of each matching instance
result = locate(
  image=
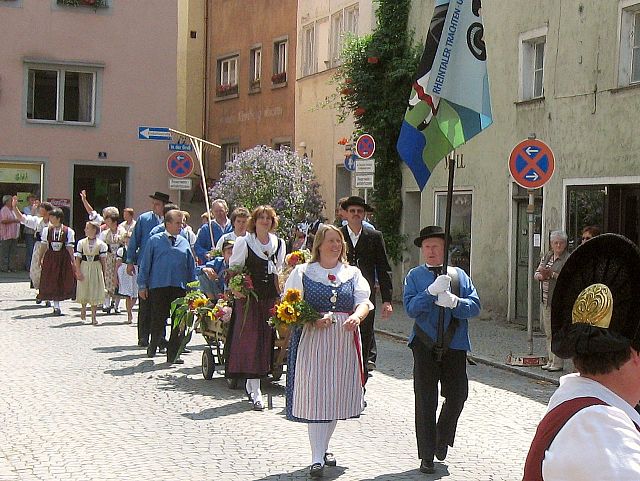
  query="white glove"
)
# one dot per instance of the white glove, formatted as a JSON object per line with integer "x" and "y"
{"x": 441, "y": 284}
{"x": 448, "y": 300}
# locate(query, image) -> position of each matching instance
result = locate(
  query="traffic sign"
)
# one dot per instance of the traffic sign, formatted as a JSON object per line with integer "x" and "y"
{"x": 180, "y": 164}
{"x": 365, "y": 146}
{"x": 364, "y": 181}
{"x": 183, "y": 147}
{"x": 153, "y": 133}
{"x": 350, "y": 162}
{"x": 531, "y": 163}
{"x": 367, "y": 166}
{"x": 180, "y": 184}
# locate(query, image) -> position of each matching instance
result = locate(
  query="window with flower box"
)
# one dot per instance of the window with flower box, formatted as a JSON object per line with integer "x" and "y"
{"x": 279, "y": 62}
{"x": 255, "y": 68}
{"x": 61, "y": 94}
{"x": 227, "y": 77}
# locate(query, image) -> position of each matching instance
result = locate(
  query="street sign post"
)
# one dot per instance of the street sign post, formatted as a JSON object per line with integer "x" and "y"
{"x": 365, "y": 146}
{"x": 350, "y": 162}
{"x": 180, "y": 164}
{"x": 531, "y": 163}
{"x": 154, "y": 133}
{"x": 180, "y": 184}
{"x": 367, "y": 166}
{"x": 364, "y": 181}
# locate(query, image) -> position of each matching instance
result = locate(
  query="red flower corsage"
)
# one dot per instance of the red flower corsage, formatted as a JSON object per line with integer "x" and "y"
{"x": 331, "y": 278}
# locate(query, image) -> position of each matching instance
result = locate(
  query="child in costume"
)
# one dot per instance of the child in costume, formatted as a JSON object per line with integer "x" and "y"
{"x": 127, "y": 284}
{"x": 90, "y": 262}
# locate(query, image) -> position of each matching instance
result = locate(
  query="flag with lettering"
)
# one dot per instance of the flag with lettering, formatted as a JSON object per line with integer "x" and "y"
{"x": 449, "y": 101}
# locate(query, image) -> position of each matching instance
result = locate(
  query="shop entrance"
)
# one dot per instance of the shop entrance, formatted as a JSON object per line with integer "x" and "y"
{"x": 105, "y": 186}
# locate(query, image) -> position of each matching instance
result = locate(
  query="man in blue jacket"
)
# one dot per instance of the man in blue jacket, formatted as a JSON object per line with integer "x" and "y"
{"x": 166, "y": 267}
{"x": 426, "y": 292}
{"x": 141, "y": 233}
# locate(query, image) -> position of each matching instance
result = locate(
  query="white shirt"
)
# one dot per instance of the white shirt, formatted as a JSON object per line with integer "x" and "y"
{"x": 71, "y": 235}
{"x": 228, "y": 236}
{"x": 599, "y": 442}
{"x": 263, "y": 251}
{"x": 353, "y": 236}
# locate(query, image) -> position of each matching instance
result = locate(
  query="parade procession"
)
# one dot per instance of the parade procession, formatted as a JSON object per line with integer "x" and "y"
{"x": 351, "y": 240}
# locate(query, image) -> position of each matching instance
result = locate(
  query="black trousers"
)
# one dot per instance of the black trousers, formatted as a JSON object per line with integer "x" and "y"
{"x": 368, "y": 341}
{"x": 451, "y": 373}
{"x": 160, "y": 300}
{"x": 144, "y": 330}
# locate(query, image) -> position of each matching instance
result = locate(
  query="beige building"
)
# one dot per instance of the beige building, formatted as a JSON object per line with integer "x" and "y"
{"x": 78, "y": 81}
{"x": 568, "y": 71}
{"x": 322, "y": 27}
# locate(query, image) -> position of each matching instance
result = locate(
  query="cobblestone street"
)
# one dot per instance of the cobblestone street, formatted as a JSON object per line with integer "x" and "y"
{"x": 84, "y": 403}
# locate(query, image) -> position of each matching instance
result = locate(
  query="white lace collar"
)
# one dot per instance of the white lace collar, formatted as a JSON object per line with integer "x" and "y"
{"x": 263, "y": 251}
{"x": 317, "y": 273}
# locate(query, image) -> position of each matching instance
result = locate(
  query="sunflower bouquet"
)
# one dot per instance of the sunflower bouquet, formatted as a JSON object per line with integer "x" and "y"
{"x": 189, "y": 311}
{"x": 292, "y": 311}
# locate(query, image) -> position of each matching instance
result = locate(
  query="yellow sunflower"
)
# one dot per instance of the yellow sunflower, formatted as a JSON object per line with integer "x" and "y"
{"x": 200, "y": 302}
{"x": 286, "y": 312}
{"x": 292, "y": 295}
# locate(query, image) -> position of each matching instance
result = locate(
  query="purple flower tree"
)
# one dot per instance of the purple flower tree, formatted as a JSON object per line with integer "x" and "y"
{"x": 281, "y": 179}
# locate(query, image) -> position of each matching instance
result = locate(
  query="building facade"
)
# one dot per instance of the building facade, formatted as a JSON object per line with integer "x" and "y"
{"x": 251, "y": 77}
{"x": 78, "y": 80}
{"x": 568, "y": 72}
{"x": 323, "y": 26}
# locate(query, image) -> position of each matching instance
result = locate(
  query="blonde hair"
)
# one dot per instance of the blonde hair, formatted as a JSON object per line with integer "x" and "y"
{"x": 261, "y": 209}
{"x": 319, "y": 239}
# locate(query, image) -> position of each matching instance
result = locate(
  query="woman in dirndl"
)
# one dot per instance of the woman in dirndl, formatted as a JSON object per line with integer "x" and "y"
{"x": 250, "y": 336}
{"x": 325, "y": 376}
{"x": 90, "y": 258}
{"x": 112, "y": 237}
{"x": 57, "y": 281}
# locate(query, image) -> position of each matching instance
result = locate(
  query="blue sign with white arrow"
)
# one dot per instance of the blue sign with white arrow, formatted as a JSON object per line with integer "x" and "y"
{"x": 153, "y": 133}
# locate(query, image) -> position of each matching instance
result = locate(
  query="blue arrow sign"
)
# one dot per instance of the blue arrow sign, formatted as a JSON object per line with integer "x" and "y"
{"x": 153, "y": 133}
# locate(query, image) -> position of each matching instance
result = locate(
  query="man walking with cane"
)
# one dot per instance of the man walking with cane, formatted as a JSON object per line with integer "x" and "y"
{"x": 426, "y": 292}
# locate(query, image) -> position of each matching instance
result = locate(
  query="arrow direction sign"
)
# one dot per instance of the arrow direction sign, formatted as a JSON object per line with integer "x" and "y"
{"x": 532, "y": 176}
{"x": 154, "y": 133}
{"x": 532, "y": 151}
{"x": 531, "y": 163}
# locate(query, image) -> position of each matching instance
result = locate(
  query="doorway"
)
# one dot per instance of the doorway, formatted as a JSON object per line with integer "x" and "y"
{"x": 522, "y": 258}
{"x": 105, "y": 186}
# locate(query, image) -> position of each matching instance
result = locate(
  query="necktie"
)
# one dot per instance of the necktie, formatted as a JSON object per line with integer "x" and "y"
{"x": 173, "y": 240}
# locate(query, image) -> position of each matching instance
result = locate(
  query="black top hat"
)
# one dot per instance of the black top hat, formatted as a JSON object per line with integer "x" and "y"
{"x": 356, "y": 200}
{"x": 429, "y": 231}
{"x": 594, "y": 307}
{"x": 161, "y": 196}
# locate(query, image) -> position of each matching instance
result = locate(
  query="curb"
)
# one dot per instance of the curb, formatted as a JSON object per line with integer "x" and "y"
{"x": 486, "y": 361}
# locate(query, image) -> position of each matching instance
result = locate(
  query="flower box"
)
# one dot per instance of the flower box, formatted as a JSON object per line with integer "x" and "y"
{"x": 360, "y": 111}
{"x": 279, "y": 78}
{"x": 226, "y": 89}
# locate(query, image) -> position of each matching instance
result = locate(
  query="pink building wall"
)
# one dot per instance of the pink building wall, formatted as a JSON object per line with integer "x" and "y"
{"x": 136, "y": 43}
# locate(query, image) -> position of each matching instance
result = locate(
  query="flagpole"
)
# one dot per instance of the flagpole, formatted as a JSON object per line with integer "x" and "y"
{"x": 439, "y": 351}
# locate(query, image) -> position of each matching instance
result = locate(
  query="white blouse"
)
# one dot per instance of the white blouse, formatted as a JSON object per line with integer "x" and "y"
{"x": 263, "y": 251}
{"x": 57, "y": 233}
{"x": 343, "y": 272}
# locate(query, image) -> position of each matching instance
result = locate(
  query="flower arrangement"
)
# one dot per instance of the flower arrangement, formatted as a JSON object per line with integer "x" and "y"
{"x": 239, "y": 281}
{"x": 226, "y": 89}
{"x": 222, "y": 310}
{"x": 213, "y": 253}
{"x": 297, "y": 257}
{"x": 292, "y": 310}
{"x": 279, "y": 78}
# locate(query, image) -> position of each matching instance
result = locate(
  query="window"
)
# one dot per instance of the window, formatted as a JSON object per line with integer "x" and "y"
{"x": 629, "y": 63}
{"x": 227, "y": 76}
{"x": 309, "y": 57}
{"x": 343, "y": 23}
{"x": 460, "y": 248}
{"x": 279, "y": 62}
{"x": 229, "y": 152}
{"x": 255, "y": 68}
{"x": 65, "y": 95}
{"x": 585, "y": 206}
{"x": 531, "y": 55}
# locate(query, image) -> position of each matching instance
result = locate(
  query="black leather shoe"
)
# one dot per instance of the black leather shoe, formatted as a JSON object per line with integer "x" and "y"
{"x": 162, "y": 350}
{"x": 57, "y": 312}
{"x": 143, "y": 343}
{"x": 258, "y": 406}
{"x": 316, "y": 470}
{"x": 441, "y": 452}
{"x": 330, "y": 459}
{"x": 38, "y": 301}
{"x": 151, "y": 350}
{"x": 427, "y": 467}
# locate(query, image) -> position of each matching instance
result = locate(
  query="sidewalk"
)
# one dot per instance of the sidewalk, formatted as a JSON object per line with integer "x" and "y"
{"x": 491, "y": 342}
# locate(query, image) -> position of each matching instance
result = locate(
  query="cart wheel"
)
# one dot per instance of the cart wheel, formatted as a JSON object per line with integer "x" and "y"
{"x": 276, "y": 373}
{"x": 208, "y": 363}
{"x": 232, "y": 383}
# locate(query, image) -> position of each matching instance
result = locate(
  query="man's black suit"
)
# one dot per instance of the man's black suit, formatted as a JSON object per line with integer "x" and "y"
{"x": 370, "y": 256}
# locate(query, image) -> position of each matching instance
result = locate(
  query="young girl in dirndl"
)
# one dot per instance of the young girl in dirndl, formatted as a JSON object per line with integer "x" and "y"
{"x": 127, "y": 284}
{"x": 90, "y": 261}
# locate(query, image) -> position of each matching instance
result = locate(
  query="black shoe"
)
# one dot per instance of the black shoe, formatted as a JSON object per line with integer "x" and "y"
{"x": 427, "y": 467}
{"x": 371, "y": 366}
{"x": 57, "y": 312}
{"x": 143, "y": 343}
{"x": 47, "y": 304}
{"x": 178, "y": 361}
{"x": 151, "y": 350}
{"x": 330, "y": 459}
{"x": 441, "y": 452}
{"x": 38, "y": 301}
{"x": 316, "y": 470}
{"x": 186, "y": 351}
{"x": 258, "y": 406}
{"x": 162, "y": 350}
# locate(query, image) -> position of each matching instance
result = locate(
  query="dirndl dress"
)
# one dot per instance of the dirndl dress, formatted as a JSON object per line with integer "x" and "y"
{"x": 325, "y": 376}
{"x": 113, "y": 242}
{"x": 57, "y": 282}
{"x": 127, "y": 285}
{"x": 91, "y": 288}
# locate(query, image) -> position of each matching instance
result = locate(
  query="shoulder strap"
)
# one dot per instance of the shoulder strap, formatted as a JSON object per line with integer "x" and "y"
{"x": 548, "y": 429}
